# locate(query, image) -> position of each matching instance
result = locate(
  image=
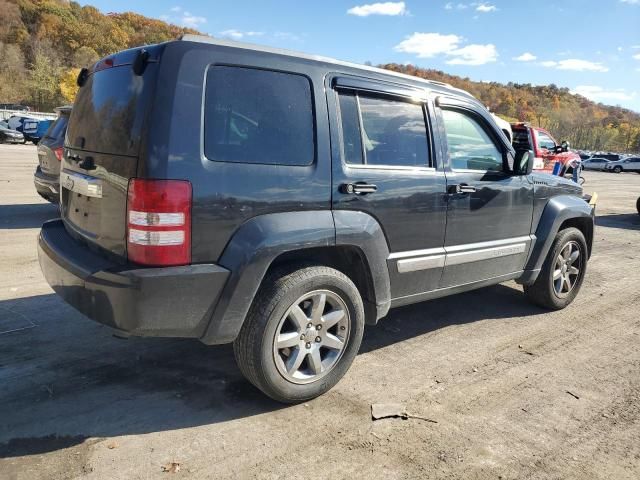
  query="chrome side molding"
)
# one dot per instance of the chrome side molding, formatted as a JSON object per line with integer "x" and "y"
{"x": 416, "y": 260}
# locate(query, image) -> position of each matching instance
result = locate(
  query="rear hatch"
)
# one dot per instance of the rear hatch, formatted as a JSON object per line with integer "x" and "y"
{"x": 104, "y": 136}
{"x": 50, "y": 147}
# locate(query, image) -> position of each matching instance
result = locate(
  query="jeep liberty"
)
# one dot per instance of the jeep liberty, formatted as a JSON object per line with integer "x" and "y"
{"x": 280, "y": 201}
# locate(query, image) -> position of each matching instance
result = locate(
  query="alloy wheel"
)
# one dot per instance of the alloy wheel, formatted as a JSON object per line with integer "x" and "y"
{"x": 566, "y": 270}
{"x": 311, "y": 336}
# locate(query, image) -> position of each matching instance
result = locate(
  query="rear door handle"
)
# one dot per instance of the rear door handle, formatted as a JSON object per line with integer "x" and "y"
{"x": 359, "y": 188}
{"x": 461, "y": 188}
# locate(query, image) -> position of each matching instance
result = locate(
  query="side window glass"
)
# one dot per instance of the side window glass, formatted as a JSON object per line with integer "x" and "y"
{"x": 258, "y": 116}
{"x": 393, "y": 132}
{"x": 470, "y": 147}
{"x": 351, "y": 136}
{"x": 545, "y": 141}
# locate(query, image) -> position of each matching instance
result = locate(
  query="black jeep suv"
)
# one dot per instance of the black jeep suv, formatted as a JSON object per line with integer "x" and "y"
{"x": 280, "y": 201}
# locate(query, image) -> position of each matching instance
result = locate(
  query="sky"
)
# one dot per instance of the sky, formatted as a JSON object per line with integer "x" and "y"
{"x": 591, "y": 47}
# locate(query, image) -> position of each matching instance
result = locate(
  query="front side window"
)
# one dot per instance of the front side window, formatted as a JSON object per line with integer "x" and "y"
{"x": 258, "y": 116}
{"x": 545, "y": 141}
{"x": 470, "y": 147}
{"x": 382, "y": 131}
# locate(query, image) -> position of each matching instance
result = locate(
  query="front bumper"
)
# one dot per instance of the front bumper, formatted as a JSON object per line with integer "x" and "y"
{"x": 162, "y": 302}
{"x": 8, "y": 139}
{"x": 47, "y": 185}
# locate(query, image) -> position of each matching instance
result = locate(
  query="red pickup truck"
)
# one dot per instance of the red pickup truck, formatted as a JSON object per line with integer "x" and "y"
{"x": 545, "y": 148}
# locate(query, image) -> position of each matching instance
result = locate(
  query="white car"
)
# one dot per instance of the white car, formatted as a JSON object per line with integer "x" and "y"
{"x": 595, "y": 163}
{"x": 629, "y": 164}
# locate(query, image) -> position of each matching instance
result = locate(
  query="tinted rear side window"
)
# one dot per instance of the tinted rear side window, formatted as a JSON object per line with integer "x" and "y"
{"x": 258, "y": 116}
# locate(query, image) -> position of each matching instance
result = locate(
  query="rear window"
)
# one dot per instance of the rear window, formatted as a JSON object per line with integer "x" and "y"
{"x": 521, "y": 140}
{"x": 109, "y": 111}
{"x": 258, "y": 116}
{"x": 58, "y": 128}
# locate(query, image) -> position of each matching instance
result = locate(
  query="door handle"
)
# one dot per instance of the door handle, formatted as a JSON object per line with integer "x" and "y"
{"x": 461, "y": 188}
{"x": 359, "y": 188}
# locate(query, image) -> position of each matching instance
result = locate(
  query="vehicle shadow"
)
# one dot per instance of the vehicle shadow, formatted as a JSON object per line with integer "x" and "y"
{"x": 628, "y": 221}
{"x": 65, "y": 379}
{"x": 30, "y": 215}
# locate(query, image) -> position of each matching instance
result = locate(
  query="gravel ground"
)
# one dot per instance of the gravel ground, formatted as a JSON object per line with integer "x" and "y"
{"x": 517, "y": 392}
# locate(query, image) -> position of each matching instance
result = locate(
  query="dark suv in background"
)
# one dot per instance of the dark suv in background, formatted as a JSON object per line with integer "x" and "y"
{"x": 281, "y": 201}
{"x": 50, "y": 148}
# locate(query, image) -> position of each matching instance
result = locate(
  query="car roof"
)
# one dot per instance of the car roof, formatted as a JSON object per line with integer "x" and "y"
{"x": 442, "y": 86}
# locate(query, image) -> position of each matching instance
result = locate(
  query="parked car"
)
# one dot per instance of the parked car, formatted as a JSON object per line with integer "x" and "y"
{"x": 50, "y": 150}
{"x": 547, "y": 151}
{"x": 309, "y": 198}
{"x": 612, "y": 157}
{"x": 594, "y": 163}
{"x": 630, "y": 164}
{"x": 33, "y": 128}
{"x": 14, "y": 107}
{"x": 8, "y": 135}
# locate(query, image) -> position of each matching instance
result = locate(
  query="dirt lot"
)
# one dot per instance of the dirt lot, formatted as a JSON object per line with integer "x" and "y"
{"x": 493, "y": 371}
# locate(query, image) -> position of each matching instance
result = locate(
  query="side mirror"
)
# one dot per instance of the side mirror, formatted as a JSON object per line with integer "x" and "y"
{"x": 564, "y": 146}
{"x": 523, "y": 162}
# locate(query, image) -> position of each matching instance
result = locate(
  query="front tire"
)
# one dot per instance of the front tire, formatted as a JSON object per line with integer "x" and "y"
{"x": 562, "y": 273}
{"x": 301, "y": 334}
{"x": 617, "y": 169}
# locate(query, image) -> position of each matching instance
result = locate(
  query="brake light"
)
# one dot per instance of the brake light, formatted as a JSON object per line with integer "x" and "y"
{"x": 159, "y": 222}
{"x": 58, "y": 153}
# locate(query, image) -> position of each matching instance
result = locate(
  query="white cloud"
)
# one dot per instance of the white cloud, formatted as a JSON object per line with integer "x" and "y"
{"x": 525, "y": 57}
{"x": 193, "y": 21}
{"x": 457, "y": 6}
{"x": 486, "y": 8}
{"x": 597, "y": 93}
{"x": 288, "y": 36}
{"x": 473, "y": 55}
{"x": 428, "y": 45}
{"x": 637, "y": 56}
{"x": 631, "y": 2}
{"x": 576, "y": 65}
{"x": 238, "y": 35}
{"x": 385, "y": 8}
{"x": 184, "y": 18}
{"x": 479, "y": 7}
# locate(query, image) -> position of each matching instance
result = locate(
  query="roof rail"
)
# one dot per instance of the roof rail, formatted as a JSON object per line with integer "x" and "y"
{"x": 188, "y": 37}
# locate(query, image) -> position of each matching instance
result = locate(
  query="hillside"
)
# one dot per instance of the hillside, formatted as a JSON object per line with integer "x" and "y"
{"x": 43, "y": 44}
{"x": 585, "y": 124}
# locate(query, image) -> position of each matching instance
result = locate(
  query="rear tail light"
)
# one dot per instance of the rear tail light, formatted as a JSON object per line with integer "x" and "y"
{"x": 58, "y": 153}
{"x": 159, "y": 222}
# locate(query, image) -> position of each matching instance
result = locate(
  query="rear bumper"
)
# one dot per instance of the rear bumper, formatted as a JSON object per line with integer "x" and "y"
{"x": 47, "y": 185}
{"x": 163, "y": 302}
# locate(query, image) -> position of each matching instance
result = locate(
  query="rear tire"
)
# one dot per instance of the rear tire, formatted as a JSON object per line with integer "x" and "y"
{"x": 562, "y": 273}
{"x": 301, "y": 334}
